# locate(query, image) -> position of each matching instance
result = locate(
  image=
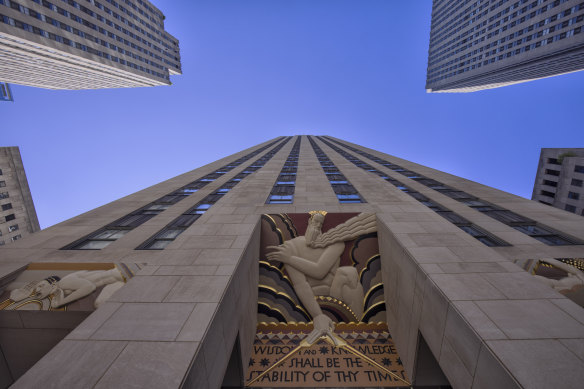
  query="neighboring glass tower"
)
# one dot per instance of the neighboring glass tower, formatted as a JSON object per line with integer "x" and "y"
{"x": 85, "y": 44}
{"x": 484, "y": 44}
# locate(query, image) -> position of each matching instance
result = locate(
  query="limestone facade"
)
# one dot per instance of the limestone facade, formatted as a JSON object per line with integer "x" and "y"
{"x": 189, "y": 316}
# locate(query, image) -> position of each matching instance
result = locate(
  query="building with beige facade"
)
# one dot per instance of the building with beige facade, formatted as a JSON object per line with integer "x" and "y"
{"x": 560, "y": 179}
{"x": 18, "y": 217}
{"x": 485, "y": 44}
{"x": 67, "y": 44}
{"x": 304, "y": 261}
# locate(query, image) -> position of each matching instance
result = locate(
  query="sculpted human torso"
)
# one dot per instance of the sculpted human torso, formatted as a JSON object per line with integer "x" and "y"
{"x": 316, "y": 271}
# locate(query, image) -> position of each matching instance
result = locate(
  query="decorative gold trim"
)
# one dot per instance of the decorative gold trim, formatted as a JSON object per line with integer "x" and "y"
{"x": 370, "y": 308}
{"x": 278, "y": 270}
{"x": 341, "y": 303}
{"x": 36, "y": 301}
{"x": 370, "y": 291}
{"x": 279, "y": 231}
{"x": 285, "y": 295}
{"x": 290, "y": 224}
{"x": 273, "y": 309}
{"x": 367, "y": 264}
{"x": 5, "y": 304}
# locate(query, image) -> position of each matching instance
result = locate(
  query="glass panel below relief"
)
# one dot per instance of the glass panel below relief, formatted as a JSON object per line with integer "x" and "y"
{"x": 94, "y": 244}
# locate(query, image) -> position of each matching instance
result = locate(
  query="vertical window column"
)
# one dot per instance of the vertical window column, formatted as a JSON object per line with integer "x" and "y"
{"x": 172, "y": 230}
{"x": 283, "y": 190}
{"x": 114, "y": 231}
{"x": 344, "y": 190}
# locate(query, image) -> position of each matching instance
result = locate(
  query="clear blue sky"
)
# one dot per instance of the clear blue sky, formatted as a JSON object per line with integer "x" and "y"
{"x": 257, "y": 69}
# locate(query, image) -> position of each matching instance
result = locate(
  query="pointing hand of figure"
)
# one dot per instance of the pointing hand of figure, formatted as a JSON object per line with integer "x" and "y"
{"x": 281, "y": 254}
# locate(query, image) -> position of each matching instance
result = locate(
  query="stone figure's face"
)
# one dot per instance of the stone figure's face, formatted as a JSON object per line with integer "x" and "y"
{"x": 44, "y": 288}
{"x": 314, "y": 228}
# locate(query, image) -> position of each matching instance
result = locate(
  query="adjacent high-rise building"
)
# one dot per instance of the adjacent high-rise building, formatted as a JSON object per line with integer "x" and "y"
{"x": 484, "y": 44}
{"x": 560, "y": 179}
{"x": 18, "y": 217}
{"x": 66, "y": 44}
{"x": 5, "y": 92}
{"x": 304, "y": 261}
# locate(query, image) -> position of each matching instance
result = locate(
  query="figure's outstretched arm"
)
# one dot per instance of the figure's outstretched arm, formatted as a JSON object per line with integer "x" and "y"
{"x": 318, "y": 269}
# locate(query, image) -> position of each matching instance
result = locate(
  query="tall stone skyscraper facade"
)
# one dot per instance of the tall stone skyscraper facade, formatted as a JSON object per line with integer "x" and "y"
{"x": 484, "y": 44}
{"x": 305, "y": 252}
{"x": 560, "y": 179}
{"x": 85, "y": 44}
{"x": 18, "y": 217}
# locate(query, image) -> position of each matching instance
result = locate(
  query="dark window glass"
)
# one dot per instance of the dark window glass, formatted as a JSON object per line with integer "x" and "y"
{"x": 553, "y": 161}
{"x": 570, "y": 208}
{"x": 10, "y": 217}
{"x": 552, "y": 172}
{"x": 6, "y": 207}
{"x": 579, "y": 169}
{"x": 550, "y": 183}
{"x": 13, "y": 227}
{"x": 576, "y": 182}
{"x": 547, "y": 193}
{"x": 2, "y": 183}
{"x": 574, "y": 195}
{"x": 4, "y": 195}
{"x": 507, "y": 217}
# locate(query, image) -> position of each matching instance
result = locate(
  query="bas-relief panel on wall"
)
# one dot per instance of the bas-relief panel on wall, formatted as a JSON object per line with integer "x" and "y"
{"x": 321, "y": 307}
{"x": 65, "y": 286}
{"x": 566, "y": 275}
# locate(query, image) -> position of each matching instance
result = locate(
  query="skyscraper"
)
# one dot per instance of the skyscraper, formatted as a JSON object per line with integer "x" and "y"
{"x": 560, "y": 178}
{"x": 66, "y": 44}
{"x": 303, "y": 261}
{"x": 484, "y": 44}
{"x": 17, "y": 214}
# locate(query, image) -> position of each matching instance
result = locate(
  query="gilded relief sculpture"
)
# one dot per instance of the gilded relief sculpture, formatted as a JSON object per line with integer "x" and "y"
{"x": 312, "y": 262}
{"x": 321, "y": 294}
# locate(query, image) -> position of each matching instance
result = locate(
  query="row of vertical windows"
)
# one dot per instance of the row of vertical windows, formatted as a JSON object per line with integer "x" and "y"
{"x": 77, "y": 45}
{"x": 171, "y": 231}
{"x": 82, "y": 34}
{"x": 527, "y": 226}
{"x": 344, "y": 190}
{"x": 114, "y": 231}
{"x": 455, "y": 66}
{"x": 482, "y": 28}
{"x": 283, "y": 190}
{"x": 462, "y": 223}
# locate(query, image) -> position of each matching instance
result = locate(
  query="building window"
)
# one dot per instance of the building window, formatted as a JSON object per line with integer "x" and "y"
{"x": 4, "y": 195}
{"x": 120, "y": 227}
{"x": 553, "y": 161}
{"x": 1, "y": 172}
{"x": 10, "y": 217}
{"x": 579, "y": 169}
{"x": 13, "y": 227}
{"x": 102, "y": 239}
{"x": 16, "y": 237}
{"x": 2, "y": 243}
{"x": 576, "y": 182}
{"x": 550, "y": 183}
{"x": 546, "y": 193}
{"x": 176, "y": 227}
{"x": 544, "y": 235}
{"x": 2, "y": 184}
{"x": 6, "y": 207}
{"x": 552, "y": 172}
{"x": 570, "y": 208}
{"x": 574, "y": 195}
{"x": 284, "y": 188}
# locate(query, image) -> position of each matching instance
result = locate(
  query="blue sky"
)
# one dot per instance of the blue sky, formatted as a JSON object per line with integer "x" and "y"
{"x": 256, "y": 69}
